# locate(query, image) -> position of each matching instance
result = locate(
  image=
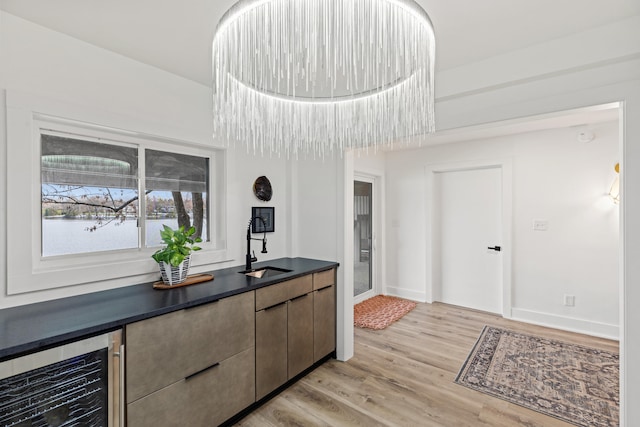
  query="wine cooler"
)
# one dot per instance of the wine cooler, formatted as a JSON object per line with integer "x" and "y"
{"x": 78, "y": 384}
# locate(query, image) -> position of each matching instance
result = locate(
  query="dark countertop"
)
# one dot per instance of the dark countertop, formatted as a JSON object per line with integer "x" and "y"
{"x": 28, "y": 328}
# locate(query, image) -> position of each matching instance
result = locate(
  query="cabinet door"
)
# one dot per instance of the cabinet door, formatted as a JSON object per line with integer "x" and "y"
{"x": 271, "y": 349}
{"x": 300, "y": 336}
{"x": 169, "y": 348}
{"x": 203, "y": 400}
{"x": 324, "y": 322}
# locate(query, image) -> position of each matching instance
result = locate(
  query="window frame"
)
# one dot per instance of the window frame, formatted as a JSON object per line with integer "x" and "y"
{"x": 28, "y": 270}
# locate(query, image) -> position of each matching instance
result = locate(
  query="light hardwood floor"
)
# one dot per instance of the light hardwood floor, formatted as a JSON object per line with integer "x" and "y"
{"x": 403, "y": 376}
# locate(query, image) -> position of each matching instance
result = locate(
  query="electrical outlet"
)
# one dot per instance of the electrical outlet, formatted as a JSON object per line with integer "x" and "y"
{"x": 570, "y": 300}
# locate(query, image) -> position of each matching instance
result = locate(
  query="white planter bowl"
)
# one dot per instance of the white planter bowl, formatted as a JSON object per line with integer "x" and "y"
{"x": 174, "y": 275}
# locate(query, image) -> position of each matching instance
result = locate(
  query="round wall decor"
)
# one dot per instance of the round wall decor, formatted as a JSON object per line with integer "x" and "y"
{"x": 262, "y": 188}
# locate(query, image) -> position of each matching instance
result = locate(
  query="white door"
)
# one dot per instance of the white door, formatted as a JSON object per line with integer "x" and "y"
{"x": 469, "y": 213}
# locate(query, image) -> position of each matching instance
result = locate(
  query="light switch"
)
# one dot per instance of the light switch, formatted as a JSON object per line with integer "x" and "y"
{"x": 540, "y": 225}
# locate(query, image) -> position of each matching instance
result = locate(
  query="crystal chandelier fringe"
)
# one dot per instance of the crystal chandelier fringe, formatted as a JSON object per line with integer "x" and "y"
{"x": 318, "y": 76}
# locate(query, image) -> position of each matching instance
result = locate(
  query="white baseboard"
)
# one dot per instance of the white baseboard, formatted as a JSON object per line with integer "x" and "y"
{"x": 406, "y": 293}
{"x": 597, "y": 329}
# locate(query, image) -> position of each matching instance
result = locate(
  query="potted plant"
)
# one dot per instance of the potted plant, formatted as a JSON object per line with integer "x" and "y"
{"x": 174, "y": 258}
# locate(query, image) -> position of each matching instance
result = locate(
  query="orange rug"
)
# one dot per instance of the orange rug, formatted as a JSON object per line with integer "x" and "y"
{"x": 380, "y": 311}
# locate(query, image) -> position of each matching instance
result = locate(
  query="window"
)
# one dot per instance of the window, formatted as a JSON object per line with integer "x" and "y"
{"x": 90, "y": 195}
{"x": 176, "y": 193}
{"x": 86, "y": 202}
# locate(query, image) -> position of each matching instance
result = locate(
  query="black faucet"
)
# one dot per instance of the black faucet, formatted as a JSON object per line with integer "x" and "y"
{"x": 252, "y": 258}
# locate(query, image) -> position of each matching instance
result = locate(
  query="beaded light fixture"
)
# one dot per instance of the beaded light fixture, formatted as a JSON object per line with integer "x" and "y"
{"x": 322, "y": 76}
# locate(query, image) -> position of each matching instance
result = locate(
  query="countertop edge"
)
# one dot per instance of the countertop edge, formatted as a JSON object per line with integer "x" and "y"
{"x": 53, "y": 339}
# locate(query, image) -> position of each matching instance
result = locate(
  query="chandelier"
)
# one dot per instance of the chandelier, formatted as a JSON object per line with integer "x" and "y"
{"x": 320, "y": 76}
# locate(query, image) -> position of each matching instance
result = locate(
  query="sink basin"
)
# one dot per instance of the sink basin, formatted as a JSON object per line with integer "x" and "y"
{"x": 265, "y": 272}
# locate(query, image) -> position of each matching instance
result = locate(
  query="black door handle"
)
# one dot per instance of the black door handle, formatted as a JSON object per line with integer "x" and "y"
{"x": 495, "y": 248}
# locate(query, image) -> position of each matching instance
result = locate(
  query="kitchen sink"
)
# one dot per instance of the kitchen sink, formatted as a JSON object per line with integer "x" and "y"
{"x": 265, "y": 272}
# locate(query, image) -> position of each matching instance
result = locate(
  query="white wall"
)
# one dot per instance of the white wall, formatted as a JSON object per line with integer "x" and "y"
{"x": 565, "y": 182}
{"x": 555, "y": 178}
{"x": 372, "y": 163}
{"x": 112, "y": 90}
{"x": 591, "y": 68}
{"x": 246, "y": 168}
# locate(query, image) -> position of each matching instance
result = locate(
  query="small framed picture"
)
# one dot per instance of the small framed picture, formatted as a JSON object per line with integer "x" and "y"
{"x": 268, "y": 215}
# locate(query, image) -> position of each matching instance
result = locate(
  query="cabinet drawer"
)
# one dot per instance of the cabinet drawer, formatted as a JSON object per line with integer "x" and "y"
{"x": 168, "y": 348}
{"x": 206, "y": 399}
{"x": 280, "y": 292}
{"x": 324, "y": 278}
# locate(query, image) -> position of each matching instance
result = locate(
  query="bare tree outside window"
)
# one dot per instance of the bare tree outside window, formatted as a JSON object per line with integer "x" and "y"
{"x": 90, "y": 199}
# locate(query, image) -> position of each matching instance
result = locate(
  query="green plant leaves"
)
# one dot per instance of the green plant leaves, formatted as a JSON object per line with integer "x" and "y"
{"x": 179, "y": 245}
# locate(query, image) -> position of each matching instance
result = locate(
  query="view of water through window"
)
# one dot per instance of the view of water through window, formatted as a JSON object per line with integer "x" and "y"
{"x": 80, "y": 225}
{"x": 90, "y": 201}
{"x": 70, "y": 236}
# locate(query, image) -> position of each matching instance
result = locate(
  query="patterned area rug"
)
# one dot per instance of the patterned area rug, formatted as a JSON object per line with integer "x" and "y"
{"x": 380, "y": 311}
{"x": 576, "y": 384}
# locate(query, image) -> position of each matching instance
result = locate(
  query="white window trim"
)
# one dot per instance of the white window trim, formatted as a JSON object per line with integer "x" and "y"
{"x": 27, "y": 270}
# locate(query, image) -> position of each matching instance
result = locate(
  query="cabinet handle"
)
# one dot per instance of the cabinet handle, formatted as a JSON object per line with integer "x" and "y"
{"x": 121, "y": 389}
{"x": 201, "y": 371}
{"x": 299, "y": 296}
{"x": 274, "y": 306}
{"x": 326, "y": 287}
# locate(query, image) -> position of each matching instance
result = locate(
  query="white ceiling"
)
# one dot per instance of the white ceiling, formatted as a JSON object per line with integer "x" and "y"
{"x": 176, "y": 35}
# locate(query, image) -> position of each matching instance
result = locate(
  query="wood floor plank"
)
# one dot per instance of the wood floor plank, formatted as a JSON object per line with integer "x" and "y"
{"x": 331, "y": 408}
{"x": 281, "y": 412}
{"x": 403, "y": 376}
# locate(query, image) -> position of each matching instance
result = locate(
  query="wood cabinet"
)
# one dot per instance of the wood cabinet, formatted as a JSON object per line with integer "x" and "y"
{"x": 271, "y": 349}
{"x": 287, "y": 316}
{"x": 207, "y": 398}
{"x": 324, "y": 322}
{"x": 300, "y": 334}
{"x": 324, "y": 313}
{"x": 323, "y": 279}
{"x": 283, "y": 291}
{"x": 202, "y": 365}
{"x": 284, "y": 313}
{"x": 195, "y": 366}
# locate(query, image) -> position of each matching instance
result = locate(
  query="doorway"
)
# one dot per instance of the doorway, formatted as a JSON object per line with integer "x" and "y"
{"x": 469, "y": 222}
{"x": 363, "y": 238}
{"x": 469, "y": 241}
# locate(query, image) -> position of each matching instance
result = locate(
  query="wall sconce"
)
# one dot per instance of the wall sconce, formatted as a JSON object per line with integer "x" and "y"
{"x": 614, "y": 193}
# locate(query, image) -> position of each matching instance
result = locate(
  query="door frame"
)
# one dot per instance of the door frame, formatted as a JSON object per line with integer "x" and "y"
{"x": 432, "y": 263}
{"x": 375, "y": 254}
